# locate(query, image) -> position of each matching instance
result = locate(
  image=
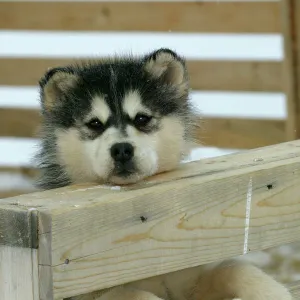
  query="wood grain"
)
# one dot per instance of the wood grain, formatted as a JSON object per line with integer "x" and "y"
{"x": 103, "y": 236}
{"x": 18, "y": 226}
{"x": 291, "y": 65}
{"x": 19, "y": 273}
{"x": 204, "y": 75}
{"x": 138, "y": 16}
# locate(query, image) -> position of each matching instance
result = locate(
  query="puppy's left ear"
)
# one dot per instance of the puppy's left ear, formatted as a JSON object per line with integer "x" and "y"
{"x": 55, "y": 84}
{"x": 166, "y": 65}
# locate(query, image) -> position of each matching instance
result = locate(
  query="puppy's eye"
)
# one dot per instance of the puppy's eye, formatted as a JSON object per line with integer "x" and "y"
{"x": 142, "y": 120}
{"x": 95, "y": 124}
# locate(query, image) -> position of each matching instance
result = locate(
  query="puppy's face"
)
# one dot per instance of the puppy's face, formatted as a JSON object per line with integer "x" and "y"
{"x": 120, "y": 120}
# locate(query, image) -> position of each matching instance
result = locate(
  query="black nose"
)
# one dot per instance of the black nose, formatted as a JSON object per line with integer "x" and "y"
{"x": 121, "y": 152}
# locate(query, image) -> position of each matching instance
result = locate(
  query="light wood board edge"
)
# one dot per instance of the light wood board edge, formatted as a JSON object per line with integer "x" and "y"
{"x": 290, "y": 12}
{"x": 211, "y": 17}
{"x": 255, "y": 76}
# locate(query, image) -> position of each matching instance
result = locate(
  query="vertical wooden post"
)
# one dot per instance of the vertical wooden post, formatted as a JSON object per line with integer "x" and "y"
{"x": 19, "y": 271}
{"x": 291, "y": 65}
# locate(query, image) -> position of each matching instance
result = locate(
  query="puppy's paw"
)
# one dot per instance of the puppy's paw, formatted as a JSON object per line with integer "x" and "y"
{"x": 247, "y": 282}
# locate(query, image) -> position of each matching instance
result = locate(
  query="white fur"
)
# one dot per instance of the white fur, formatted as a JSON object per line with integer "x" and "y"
{"x": 100, "y": 109}
{"x": 153, "y": 153}
{"x": 132, "y": 104}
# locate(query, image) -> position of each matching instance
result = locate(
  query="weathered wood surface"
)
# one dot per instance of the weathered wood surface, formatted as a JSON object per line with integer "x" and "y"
{"x": 18, "y": 253}
{"x": 18, "y": 226}
{"x": 198, "y": 16}
{"x": 95, "y": 237}
{"x": 205, "y": 75}
{"x": 291, "y": 65}
{"x": 14, "y": 192}
{"x": 18, "y": 273}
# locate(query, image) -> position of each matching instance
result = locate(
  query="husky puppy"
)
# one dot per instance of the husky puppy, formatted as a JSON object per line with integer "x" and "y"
{"x": 119, "y": 121}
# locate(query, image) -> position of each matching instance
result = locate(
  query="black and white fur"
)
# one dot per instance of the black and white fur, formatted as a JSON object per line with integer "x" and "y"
{"x": 136, "y": 107}
{"x": 119, "y": 121}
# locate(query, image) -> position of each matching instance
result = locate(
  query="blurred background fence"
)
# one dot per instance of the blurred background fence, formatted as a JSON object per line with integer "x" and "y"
{"x": 242, "y": 59}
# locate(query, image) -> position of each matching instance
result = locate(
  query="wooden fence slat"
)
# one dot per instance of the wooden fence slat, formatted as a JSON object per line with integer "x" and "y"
{"x": 241, "y": 133}
{"x": 14, "y": 192}
{"x": 254, "y": 76}
{"x": 19, "y": 273}
{"x": 205, "y": 75}
{"x": 18, "y": 122}
{"x": 138, "y": 16}
{"x": 219, "y": 132}
{"x": 26, "y": 171}
{"x": 291, "y": 65}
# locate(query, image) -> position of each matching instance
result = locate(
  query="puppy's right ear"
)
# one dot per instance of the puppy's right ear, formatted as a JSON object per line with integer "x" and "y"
{"x": 54, "y": 86}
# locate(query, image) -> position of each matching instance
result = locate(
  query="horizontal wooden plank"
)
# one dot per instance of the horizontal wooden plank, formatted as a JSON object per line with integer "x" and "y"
{"x": 252, "y": 76}
{"x": 205, "y": 75}
{"x": 19, "y": 122}
{"x": 241, "y": 133}
{"x": 26, "y": 171}
{"x": 219, "y": 132}
{"x": 13, "y": 193}
{"x": 94, "y": 231}
{"x": 138, "y": 16}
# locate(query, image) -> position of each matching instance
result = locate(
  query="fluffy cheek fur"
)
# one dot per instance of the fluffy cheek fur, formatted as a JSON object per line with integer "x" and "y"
{"x": 91, "y": 160}
{"x": 71, "y": 155}
{"x": 170, "y": 144}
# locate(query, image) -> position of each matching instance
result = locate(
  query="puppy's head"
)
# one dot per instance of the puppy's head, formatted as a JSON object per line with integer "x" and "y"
{"x": 119, "y": 120}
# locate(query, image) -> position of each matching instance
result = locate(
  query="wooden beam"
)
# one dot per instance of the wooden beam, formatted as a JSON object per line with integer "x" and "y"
{"x": 205, "y": 75}
{"x": 103, "y": 236}
{"x": 241, "y": 133}
{"x": 291, "y": 65}
{"x": 18, "y": 253}
{"x": 25, "y": 171}
{"x": 14, "y": 192}
{"x": 18, "y": 273}
{"x": 18, "y": 122}
{"x": 138, "y": 16}
{"x": 218, "y": 132}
